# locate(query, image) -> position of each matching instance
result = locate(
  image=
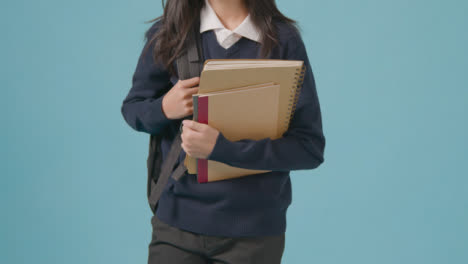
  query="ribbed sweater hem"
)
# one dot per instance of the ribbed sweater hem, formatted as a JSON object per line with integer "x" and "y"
{"x": 228, "y": 223}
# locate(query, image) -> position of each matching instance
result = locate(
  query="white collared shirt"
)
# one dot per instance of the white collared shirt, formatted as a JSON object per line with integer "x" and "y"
{"x": 226, "y": 38}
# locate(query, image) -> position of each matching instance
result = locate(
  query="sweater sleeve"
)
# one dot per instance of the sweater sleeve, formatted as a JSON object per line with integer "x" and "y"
{"x": 301, "y": 146}
{"x": 142, "y": 107}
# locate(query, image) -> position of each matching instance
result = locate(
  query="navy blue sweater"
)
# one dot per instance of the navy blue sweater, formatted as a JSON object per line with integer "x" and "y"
{"x": 253, "y": 205}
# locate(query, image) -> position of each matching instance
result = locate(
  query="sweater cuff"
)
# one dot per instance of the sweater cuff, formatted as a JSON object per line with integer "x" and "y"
{"x": 160, "y": 119}
{"x": 223, "y": 147}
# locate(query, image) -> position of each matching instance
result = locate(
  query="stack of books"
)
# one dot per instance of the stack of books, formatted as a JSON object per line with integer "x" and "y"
{"x": 244, "y": 99}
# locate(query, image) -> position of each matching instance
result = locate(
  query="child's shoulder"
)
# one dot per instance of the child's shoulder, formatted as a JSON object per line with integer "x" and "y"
{"x": 153, "y": 28}
{"x": 290, "y": 43}
{"x": 287, "y": 32}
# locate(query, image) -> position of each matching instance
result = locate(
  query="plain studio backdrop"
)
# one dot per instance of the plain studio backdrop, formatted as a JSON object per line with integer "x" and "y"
{"x": 392, "y": 83}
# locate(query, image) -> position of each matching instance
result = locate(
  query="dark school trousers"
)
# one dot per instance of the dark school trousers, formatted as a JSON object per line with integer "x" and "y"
{"x": 171, "y": 245}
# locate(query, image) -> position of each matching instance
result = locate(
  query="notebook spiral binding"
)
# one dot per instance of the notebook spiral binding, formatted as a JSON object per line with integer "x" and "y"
{"x": 295, "y": 95}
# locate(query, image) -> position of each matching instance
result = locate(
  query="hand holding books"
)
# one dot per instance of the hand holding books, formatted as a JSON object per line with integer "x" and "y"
{"x": 198, "y": 139}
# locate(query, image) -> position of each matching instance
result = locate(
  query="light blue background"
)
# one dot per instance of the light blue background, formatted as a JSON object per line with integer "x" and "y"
{"x": 392, "y": 83}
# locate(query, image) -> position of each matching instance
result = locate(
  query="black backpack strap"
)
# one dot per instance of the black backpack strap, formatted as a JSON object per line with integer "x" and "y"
{"x": 189, "y": 65}
{"x": 153, "y": 162}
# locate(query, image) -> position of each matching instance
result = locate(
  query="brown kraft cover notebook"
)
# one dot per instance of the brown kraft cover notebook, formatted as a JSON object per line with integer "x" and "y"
{"x": 228, "y": 76}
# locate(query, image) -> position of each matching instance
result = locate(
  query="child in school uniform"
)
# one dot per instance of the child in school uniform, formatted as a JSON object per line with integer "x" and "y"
{"x": 241, "y": 220}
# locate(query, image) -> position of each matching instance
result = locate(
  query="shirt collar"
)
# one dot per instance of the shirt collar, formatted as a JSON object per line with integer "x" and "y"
{"x": 210, "y": 21}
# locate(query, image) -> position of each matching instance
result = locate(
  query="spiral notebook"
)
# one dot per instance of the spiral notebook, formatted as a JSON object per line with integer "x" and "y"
{"x": 232, "y": 94}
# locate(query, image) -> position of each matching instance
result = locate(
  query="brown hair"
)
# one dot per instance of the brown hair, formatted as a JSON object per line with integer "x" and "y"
{"x": 180, "y": 16}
